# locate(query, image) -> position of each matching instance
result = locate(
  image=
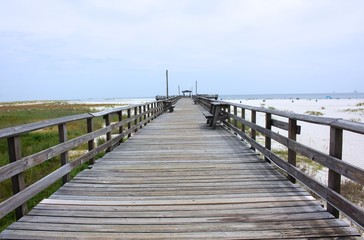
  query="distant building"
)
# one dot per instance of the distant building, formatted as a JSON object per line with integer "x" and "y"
{"x": 187, "y": 93}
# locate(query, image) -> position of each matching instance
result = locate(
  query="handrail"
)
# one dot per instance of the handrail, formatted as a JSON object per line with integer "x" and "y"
{"x": 336, "y": 203}
{"x": 139, "y": 115}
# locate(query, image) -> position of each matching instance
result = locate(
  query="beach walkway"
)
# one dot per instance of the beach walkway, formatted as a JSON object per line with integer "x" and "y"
{"x": 179, "y": 179}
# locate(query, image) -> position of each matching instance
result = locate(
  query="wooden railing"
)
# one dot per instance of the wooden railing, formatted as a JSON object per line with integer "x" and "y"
{"x": 129, "y": 120}
{"x": 234, "y": 117}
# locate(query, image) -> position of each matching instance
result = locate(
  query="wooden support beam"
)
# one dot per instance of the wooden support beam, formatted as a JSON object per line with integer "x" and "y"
{"x": 292, "y": 155}
{"x": 120, "y": 118}
{"x": 141, "y": 117}
{"x": 268, "y": 140}
{"x": 216, "y": 113}
{"x": 18, "y": 183}
{"x": 253, "y": 133}
{"x": 136, "y": 120}
{"x": 334, "y": 179}
{"x": 243, "y": 117}
{"x": 62, "y": 131}
{"x": 129, "y": 124}
{"x": 91, "y": 143}
{"x": 108, "y": 134}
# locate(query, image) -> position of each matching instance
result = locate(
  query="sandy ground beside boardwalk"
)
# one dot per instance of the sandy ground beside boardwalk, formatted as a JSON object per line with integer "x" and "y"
{"x": 317, "y": 136}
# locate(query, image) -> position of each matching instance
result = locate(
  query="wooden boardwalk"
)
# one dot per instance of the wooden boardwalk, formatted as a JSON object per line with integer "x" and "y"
{"x": 178, "y": 179}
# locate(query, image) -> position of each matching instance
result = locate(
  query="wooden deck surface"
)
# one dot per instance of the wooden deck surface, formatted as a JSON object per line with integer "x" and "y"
{"x": 178, "y": 179}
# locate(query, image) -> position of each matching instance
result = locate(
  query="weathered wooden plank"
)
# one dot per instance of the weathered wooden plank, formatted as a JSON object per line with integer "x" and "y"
{"x": 243, "y": 186}
{"x": 173, "y": 213}
{"x": 18, "y": 130}
{"x": 172, "y": 193}
{"x": 257, "y": 234}
{"x": 202, "y": 227}
{"x": 110, "y": 197}
{"x": 164, "y": 185}
{"x": 219, "y": 200}
{"x": 264, "y": 218}
{"x": 145, "y": 208}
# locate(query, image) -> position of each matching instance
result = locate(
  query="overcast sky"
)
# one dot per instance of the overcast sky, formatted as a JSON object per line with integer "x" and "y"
{"x": 79, "y": 49}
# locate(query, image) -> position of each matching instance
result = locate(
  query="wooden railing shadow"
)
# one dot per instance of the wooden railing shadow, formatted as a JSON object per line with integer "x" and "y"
{"x": 233, "y": 116}
{"x": 129, "y": 120}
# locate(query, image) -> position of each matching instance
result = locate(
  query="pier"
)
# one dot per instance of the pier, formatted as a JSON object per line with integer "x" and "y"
{"x": 183, "y": 174}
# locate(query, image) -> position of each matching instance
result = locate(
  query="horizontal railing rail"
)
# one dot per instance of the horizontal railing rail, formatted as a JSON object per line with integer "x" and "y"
{"x": 129, "y": 120}
{"x": 234, "y": 117}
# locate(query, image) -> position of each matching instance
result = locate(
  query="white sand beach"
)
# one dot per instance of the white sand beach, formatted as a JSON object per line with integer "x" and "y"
{"x": 116, "y": 101}
{"x": 317, "y": 136}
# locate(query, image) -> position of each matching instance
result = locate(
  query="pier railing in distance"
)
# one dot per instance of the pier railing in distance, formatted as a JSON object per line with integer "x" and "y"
{"x": 234, "y": 117}
{"x": 119, "y": 124}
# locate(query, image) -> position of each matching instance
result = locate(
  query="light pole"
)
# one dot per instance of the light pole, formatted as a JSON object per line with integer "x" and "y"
{"x": 167, "y": 82}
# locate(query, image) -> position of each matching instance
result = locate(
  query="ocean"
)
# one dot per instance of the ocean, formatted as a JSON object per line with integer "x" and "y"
{"x": 355, "y": 95}
{"x": 233, "y": 97}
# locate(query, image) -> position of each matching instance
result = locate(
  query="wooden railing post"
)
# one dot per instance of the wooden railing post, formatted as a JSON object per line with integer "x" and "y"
{"x": 160, "y": 108}
{"x": 145, "y": 115}
{"x": 62, "y": 131}
{"x": 156, "y": 109}
{"x": 292, "y": 134}
{"x": 334, "y": 179}
{"x": 148, "y": 109}
{"x": 243, "y": 117}
{"x": 136, "y": 120}
{"x": 236, "y": 114}
{"x": 91, "y": 143}
{"x": 129, "y": 124}
{"x": 268, "y": 140}
{"x": 120, "y": 118}
{"x": 17, "y": 181}
{"x": 254, "y": 121}
{"x": 108, "y": 134}
{"x": 141, "y": 117}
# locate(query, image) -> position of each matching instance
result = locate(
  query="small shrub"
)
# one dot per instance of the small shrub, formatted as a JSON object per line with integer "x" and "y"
{"x": 358, "y": 110}
{"x": 314, "y": 113}
{"x": 353, "y": 191}
{"x": 355, "y": 119}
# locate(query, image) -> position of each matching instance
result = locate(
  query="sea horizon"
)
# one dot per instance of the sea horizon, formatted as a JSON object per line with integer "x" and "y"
{"x": 352, "y": 95}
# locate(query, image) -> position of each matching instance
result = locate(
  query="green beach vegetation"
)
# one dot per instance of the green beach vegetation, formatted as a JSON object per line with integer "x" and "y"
{"x": 314, "y": 113}
{"x": 349, "y": 189}
{"x": 357, "y": 110}
{"x": 13, "y": 114}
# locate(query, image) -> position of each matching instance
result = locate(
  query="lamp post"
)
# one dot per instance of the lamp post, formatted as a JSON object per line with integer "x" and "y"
{"x": 196, "y": 88}
{"x": 167, "y": 83}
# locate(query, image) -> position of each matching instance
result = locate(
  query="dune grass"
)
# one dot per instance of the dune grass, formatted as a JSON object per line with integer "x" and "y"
{"x": 314, "y": 113}
{"x": 13, "y": 114}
